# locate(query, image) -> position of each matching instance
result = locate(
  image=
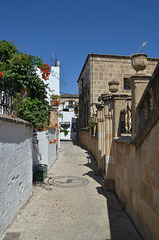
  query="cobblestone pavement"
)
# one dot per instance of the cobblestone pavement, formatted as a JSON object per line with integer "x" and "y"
{"x": 71, "y": 205}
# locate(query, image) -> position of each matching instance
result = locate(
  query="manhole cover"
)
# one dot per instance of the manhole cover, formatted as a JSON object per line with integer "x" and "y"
{"x": 68, "y": 181}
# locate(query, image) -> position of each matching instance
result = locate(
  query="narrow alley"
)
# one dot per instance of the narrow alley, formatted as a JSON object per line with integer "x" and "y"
{"x": 71, "y": 204}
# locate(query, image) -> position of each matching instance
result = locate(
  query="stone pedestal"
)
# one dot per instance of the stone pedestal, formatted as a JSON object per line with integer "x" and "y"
{"x": 108, "y": 113}
{"x": 101, "y": 138}
{"x": 138, "y": 84}
{"x": 120, "y": 103}
{"x": 113, "y": 104}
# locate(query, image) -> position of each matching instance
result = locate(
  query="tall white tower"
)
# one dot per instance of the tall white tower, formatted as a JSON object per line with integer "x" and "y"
{"x": 54, "y": 78}
{"x": 53, "y": 81}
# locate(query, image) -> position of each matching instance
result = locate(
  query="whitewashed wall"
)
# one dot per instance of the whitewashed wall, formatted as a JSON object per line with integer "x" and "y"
{"x": 43, "y": 152}
{"x": 71, "y": 118}
{"x": 15, "y": 168}
{"x": 53, "y": 81}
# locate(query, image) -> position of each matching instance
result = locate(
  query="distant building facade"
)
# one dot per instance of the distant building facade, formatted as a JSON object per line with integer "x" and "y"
{"x": 68, "y": 116}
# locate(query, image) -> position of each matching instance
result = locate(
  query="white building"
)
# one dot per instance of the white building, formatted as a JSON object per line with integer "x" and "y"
{"x": 68, "y": 119}
{"x": 43, "y": 154}
{"x": 53, "y": 81}
{"x": 54, "y": 78}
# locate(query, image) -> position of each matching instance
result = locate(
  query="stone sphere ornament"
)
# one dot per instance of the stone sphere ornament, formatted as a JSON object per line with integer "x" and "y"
{"x": 113, "y": 86}
{"x": 139, "y": 62}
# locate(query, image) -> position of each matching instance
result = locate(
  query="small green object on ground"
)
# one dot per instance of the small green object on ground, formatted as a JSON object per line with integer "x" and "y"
{"x": 40, "y": 173}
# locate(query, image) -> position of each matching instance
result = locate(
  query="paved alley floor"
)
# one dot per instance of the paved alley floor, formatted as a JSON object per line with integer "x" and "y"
{"x": 71, "y": 205}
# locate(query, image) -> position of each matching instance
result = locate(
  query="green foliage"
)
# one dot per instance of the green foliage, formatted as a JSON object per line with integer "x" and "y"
{"x": 91, "y": 123}
{"x": 65, "y": 131}
{"x": 21, "y": 68}
{"x": 7, "y": 50}
{"x": 23, "y": 71}
{"x": 53, "y": 96}
{"x": 55, "y": 99}
{"x": 32, "y": 110}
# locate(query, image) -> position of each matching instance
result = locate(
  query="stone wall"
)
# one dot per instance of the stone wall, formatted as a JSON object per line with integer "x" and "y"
{"x": 131, "y": 162}
{"x": 16, "y": 168}
{"x": 54, "y": 115}
{"x": 84, "y": 96}
{"x": 90, "y": 142}
{"x": 107, "y": 68}
{"x": 136, "y": 175}
{"x": 100, "y": 69}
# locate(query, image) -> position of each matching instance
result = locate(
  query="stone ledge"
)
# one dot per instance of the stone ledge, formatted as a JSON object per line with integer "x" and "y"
{"x": 110, "y": 57}
{"x": 116, "y": 56}
{"x": 4, "y": 118}
{"x": 82, "y": 130}
{"x": 123, "y": 139}
{"x": 147, "y": 125}
{"x": 153, "y": 78}
{"x": 94, "y": 136}
{"x": 69, "y": 95}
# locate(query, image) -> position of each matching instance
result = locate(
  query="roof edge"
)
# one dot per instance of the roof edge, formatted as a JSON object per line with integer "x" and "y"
{"x": 109, "y": 56}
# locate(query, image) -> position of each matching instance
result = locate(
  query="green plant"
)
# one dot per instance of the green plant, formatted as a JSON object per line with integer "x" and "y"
{"x": 55, "y": 99}
{"x": 65, "y": 131}
{"x": 34, "y": 110}
{"x": 53, "y": 96}
{"x": 91, "y": 123}
{"x": 7, "y": 50}
{"x": 21, "y": 69}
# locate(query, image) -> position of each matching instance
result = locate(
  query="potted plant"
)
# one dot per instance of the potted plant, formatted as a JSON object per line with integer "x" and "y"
{"x": 139, "y": 61}
{"x": 55, "y": 100}
{"x": 91, "y": 125}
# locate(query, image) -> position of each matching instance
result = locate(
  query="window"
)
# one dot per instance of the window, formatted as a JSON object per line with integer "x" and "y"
{"x": 126, "y": 84}
{"x": 82, "y": 85}
{"x": 65, "y": 125}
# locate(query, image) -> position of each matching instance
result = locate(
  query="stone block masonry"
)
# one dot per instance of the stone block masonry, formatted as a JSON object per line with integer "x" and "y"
{"x": 98, "y": 70}
{"x": 16, "y": 168}
{"x": 136, "y": 182}
{"x": 130, "y": 160}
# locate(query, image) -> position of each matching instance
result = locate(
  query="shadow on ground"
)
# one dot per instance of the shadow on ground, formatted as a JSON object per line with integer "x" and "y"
{"x": 121, "y": 226}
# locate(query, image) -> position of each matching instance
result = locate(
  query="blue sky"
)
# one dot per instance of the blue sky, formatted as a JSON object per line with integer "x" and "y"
{"x": 72, "y": 29}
